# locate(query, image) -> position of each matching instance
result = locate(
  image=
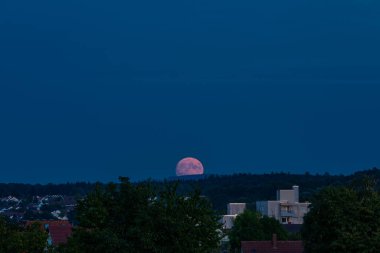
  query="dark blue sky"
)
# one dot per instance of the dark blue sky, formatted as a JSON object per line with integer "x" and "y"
{"x": 90, "y": 90}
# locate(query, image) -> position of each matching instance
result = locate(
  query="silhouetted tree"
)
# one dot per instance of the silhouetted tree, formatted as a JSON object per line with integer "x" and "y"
{"x": 18, "y": 239}
{"x": 344, "y": 219}
{"x": 251, "y": 226}
{"x": 133, "y": 218}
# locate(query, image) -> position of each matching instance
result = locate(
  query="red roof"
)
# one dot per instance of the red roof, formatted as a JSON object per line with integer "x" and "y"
{"x": 273, "y": 246}
{"x": 59, "y": 230}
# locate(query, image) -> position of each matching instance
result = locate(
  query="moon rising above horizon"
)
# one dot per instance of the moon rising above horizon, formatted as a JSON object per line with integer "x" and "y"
{"x": 189, "y": 166}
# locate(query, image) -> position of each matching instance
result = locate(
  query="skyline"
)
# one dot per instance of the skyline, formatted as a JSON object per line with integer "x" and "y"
{"x": 90, "y": 91}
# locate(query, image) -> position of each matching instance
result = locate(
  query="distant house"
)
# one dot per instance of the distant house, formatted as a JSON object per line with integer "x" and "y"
{"x": 236, "y": 208}
{"x": 273, "y": 246}
{"x": 233, "y": 210}
{"x": 286, "y": 209}
{"x": 228, "y": 221}
{"x": 69, "y": 202}
{"x": 12, "y": 214}
{"x": 59, "y": 230}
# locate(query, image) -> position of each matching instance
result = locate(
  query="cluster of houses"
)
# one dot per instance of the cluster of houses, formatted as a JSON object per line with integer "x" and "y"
{"x": 286, "y": 209}
{"x": 49, "y": 206}
{"x": 58, "y": 230}
{"x": 54, "y": 207}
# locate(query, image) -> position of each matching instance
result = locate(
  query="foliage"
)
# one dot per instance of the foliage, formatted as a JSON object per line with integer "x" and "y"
{"x": 29, "y": 190}
{"x": 344, "y": 219}
{"x": 272, "y": 226}
{"x": 38, "y": 215}
{"x": 133, "y": 218}
{"x": 220, "y": 190}
{"x": 251, "y": 226}
{"x": 16, "y": 239}
{"x": 249, "y": 188}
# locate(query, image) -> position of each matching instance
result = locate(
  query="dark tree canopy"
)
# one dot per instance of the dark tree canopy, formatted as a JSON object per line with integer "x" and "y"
{"x": 251, "y": 226}
{"x": 220, "y": 189}
{"x": 133, "y": 218}
{"x": 19, "y": 239}
{"x": 344, "y": 219}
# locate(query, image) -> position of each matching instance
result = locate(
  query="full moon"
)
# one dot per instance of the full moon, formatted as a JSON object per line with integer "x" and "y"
{"x": 189, "y": 166}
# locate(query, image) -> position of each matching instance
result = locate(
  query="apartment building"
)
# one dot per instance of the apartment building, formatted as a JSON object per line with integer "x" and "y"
{"x": 233, "y": 210}
{"x": 286, "y": 209}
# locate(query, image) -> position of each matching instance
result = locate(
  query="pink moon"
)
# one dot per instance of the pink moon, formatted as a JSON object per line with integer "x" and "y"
{"x": 189, "y": 166}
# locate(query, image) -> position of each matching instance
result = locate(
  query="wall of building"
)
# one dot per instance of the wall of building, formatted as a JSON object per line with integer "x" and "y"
{"x": 235, "y": 208}
{"x": 228, "y": 221}
{"x": 286, "y": 208}
{"x": 289, "y": 195}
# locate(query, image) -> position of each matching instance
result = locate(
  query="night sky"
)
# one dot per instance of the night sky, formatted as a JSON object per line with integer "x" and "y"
{"x": 90, "y": 90}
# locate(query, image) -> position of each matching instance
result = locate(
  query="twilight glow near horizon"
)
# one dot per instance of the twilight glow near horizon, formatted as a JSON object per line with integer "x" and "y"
{"x": 91, "y": 90}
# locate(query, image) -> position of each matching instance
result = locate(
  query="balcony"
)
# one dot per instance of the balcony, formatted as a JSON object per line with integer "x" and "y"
{"x": 287, "y": 214}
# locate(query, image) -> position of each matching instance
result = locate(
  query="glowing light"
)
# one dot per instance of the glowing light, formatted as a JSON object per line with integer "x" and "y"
{"x": 189, "y": 166}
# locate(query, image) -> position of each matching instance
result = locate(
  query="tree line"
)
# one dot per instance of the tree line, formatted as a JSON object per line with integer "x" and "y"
{"x": 29, "y": 190}
{"x": 220, "y": 189}
{"x": 146, "y": 217}
{"x": 342, "y": 219}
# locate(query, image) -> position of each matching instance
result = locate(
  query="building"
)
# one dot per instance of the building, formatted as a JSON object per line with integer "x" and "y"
{"x": 58, "y": 230}
{"x": 228, "y": 221}
{"x": 233, "y": 210}
{"x": 273, "y": 246}
{"x": 286, "y": 209}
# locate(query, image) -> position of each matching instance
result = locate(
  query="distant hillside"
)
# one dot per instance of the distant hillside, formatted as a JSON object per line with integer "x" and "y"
{"x": 29, "y": 190}
{"x": 249, "y": 188}
{"x": 220, "y": 190}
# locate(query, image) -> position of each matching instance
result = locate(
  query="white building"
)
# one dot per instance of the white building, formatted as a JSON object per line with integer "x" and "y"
{"x": 233, "y": 210}
{"x": 228, "y": 221}
{"x": 286, "y": 208}
{"x": 236, "y": 208}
